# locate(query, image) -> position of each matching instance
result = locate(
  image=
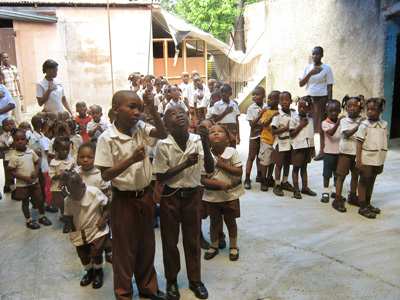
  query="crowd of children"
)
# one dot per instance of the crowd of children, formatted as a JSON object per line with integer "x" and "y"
{"x": 174, "y": 146}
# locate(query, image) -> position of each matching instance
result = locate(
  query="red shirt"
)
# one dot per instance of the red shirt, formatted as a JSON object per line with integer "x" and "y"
{"x": 82, "y": 122}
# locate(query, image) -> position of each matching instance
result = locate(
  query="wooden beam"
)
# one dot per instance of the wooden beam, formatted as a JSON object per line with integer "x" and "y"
{"x": 184, "y": 55}
{"x": 205, "y": 58}
{"x": 165, "y": 46}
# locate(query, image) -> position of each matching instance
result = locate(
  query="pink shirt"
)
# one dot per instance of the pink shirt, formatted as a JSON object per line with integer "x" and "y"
{"x": 331, "y": 141}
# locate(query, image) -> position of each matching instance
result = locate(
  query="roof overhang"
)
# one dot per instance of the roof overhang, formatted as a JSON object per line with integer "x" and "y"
{"x": 9, "y": 14}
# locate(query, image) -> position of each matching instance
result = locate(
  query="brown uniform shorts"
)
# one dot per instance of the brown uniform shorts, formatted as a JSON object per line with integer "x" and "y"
{"x": 229, "y": 209}
{"x": 301, "y": 157}
{"x": 368, "y": 171}
{"x": 94, "y": 248}
{"x": 345, "y": 163}
{"x": 281, "y": 158}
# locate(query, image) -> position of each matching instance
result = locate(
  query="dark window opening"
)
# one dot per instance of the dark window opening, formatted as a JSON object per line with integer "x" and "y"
{"x": 395, "y": 128}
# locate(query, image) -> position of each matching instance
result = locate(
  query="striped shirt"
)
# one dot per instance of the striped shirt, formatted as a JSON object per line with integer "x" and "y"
{"x": 11, "y": 75}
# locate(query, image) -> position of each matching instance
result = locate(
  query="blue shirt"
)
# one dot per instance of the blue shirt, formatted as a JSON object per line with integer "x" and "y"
{"x": 4, "y": 101}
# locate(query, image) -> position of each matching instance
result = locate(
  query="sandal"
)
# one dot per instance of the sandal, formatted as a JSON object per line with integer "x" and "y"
{"x": 339, "y": 205}
{"x": 353, "y": 200}
{"x": 367, "y": 213}
{"x": 233, "y": 256}
{"x": 210, "y": 255}
{"x": 297, "y": 194}
{"x": 375, "y": 210}
{"x": 325, "y": 198}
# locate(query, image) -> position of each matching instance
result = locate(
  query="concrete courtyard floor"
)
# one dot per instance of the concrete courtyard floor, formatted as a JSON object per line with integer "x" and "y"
{"x": 289, "y": 249}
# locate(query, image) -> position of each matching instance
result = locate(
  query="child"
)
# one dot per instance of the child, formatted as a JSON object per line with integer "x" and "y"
{"x": 214, "y": 98}
{"x": 254, "y": 115}
{"x": 282, "y": 152}
{"x": 63, "y": 115}
{"x": 185, "y": 82}
{"x": 267, "y": 140}
{"x": 226, "y": 112}
{"x": 178, "y": 161}
{"x": 122, "y": 158}
{"x": 6, "y": 146}
{"x": 301, "y": 130}
{"x": 24, "y": 165}
{"x": 97, "y": 126}
{"x": 222, "y": 191}
{"x": 198, "y": 97}
{"x": 372, "y": 148}
{"x": 175, "y": 94}
{"x": 82, "y": 119}
{"x": 86, "y": 211}
{"x": 57, "y": 167}
{"x": 331, "y": 146}
{"x": 347, "y": 152}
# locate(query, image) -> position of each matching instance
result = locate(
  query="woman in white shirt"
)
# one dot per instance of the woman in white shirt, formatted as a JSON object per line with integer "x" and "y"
{"x": 318, "y": 79}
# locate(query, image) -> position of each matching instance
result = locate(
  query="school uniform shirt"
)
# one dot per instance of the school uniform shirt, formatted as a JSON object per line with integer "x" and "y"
{"x": 183, "y": 87}
{"x": 231, "y": 157}
{"x": 92, "y": 178}
{"x": 85, "y": 213}
{"x": 199, "y": 102}
{"x": 282, "y": 139}
{"x": 92, "y": 124}
{"x": 45, "y": 142}
{"x": 82, "y": 122}
{"x": 205, "y": 102}
{"x": 266, "y": 134}
{"x": 331, "y": 141}
{"x": 168, "y": 154}
{"x": 252, "y": 113}
{"x": 189, "y": 93}
{"x": 374, "y": 135}
{"x": 5, "y": 141}
{"x": 54, "y": 103}
{"x": 173, "y": 103}
{"x": 76, "y": 141}
{"x": 55, "y": 168}
{"x": 305, "y": 138}
{"x": 114, "y": 147}
{"x": 24, "y": 164}
{"x": 220, "y": 106}
{"x": 348, "y": 145}
{"x": 4, "y": 101}
{"x": 316, "y": 85}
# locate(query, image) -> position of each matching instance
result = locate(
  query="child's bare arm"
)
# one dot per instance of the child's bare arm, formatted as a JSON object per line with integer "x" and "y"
{"x": 70, "y": 220}
{"x": 208, "y": 158}
{"x": 14, "y": 174}
{"x": 160, "y": 132}
{"x": 237, "y": 131}
{"x": 350, "y": 132}
{"x": 208, "y": 182}
{"x": 254, "y": 122}
{"x": 101, "y": 223}
{"x": 276, "y": 131}
{"x": 359, "y": 163}
{"x": 235, "y": 171}
{"x": 333, "y": 130}
{"x": 218, "y": 118}
{"x": 109, "y": 173}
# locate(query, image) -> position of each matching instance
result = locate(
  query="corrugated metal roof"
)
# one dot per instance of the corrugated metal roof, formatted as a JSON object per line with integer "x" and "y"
{"x": 81, "y": 2}
{"x": 9, "y": 14}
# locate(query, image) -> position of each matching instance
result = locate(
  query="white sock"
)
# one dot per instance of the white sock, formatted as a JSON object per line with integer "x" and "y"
{"x": 326, "y": 190}
{"x": 88, "y": 266}
{"x": 28, "y": 220}
{"x": 334, "y": 189}
{"x": 285, "y": 178}
{"x": 98, "y": 266}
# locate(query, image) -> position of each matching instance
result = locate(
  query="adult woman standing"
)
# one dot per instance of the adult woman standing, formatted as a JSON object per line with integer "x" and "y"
{"x": 318, "y": 79}
{"x": 50, "y": 91}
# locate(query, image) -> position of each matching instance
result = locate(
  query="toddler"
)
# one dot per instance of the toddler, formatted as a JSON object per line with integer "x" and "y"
{"x": 97, "y": 126}
{"x": 82, "y": 119}
{"x": 6, "y": 145}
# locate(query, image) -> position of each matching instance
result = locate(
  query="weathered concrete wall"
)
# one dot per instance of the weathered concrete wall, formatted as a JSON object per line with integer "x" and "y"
{"x": 351, "y": 33}
{"x": 79, "y": 42}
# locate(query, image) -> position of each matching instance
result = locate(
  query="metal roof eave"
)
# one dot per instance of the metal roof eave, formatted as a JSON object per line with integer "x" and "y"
{"x": 9, "y": 14}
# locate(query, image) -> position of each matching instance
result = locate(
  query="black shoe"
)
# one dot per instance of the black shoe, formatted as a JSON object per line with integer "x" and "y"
{"x": 108, "y": 257}
{"x": 32, "y": 224}
{"x": 66, "y": 228}
{"x": 221, "y": 241}
{"x": 297, "y": 194}
{"x": 264, "y": 186}
{"x": 247, "y": 184}
{"x": 98, "y": 278}
{"x": 375, "y": 210}
{"x": 45, "y": 221}
{"x": 308, "y": 192}
{"x": 172, "y": 290}
{"x": 211, "y": 255}
{"x": 278, "y": 190}
{"x": 14, "y": 196}
{"x": 1, "y": 196}
{"x": 258, "y": 179}
{"x": 333, "y": 195}
{"x": 319, "y": 157}
{"x": 6, "y": 190}
{"x": 353, "y": 200}
{"x": 367, "y": 213}
{"x": 204, "y": 244}
{"x": 155, "y": 222}
{"x": 271, "y": 182}
{"x": 287, "y": 186}
{"x": 51, "y": 209}
{"x": 155, "y": 296}
{"x": 88, "y": 278}
{"x": 199, "y": 289}
{"x": 325, "y": 198}
{"x": 233, "y": 256}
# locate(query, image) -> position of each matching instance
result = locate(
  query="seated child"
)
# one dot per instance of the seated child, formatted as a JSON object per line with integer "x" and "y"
{"x": 82, "y": 119}
{"x": 86, "y": 211}
{"x": 97, "y": 126}
{"x": 24, "y": 166}
{"x": 222, "y": 190}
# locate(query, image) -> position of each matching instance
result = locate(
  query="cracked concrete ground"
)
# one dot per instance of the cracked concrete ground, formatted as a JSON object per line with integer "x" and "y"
{"x": 289, "y": 249}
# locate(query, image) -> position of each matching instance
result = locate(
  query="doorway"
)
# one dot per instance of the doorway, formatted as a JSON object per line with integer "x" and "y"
{"x": 395, "y": 126}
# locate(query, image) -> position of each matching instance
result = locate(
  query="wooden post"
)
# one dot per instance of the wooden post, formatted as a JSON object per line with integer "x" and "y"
{"x": 165, "y": 46}
{"x": 205, "y": 59}
{"x": 184, "y": 55}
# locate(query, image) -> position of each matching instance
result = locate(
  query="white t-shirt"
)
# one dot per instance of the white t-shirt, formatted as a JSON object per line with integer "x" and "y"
{"x": 317, "y": 84}
{"x": 24, "y": 164}
{"x": 220, "y": 106}
{"x": 305, "y": 138}
{"x": 348, "y": 145}
{"x": 54, "y": 102}
{"x": 375, "y": 136}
